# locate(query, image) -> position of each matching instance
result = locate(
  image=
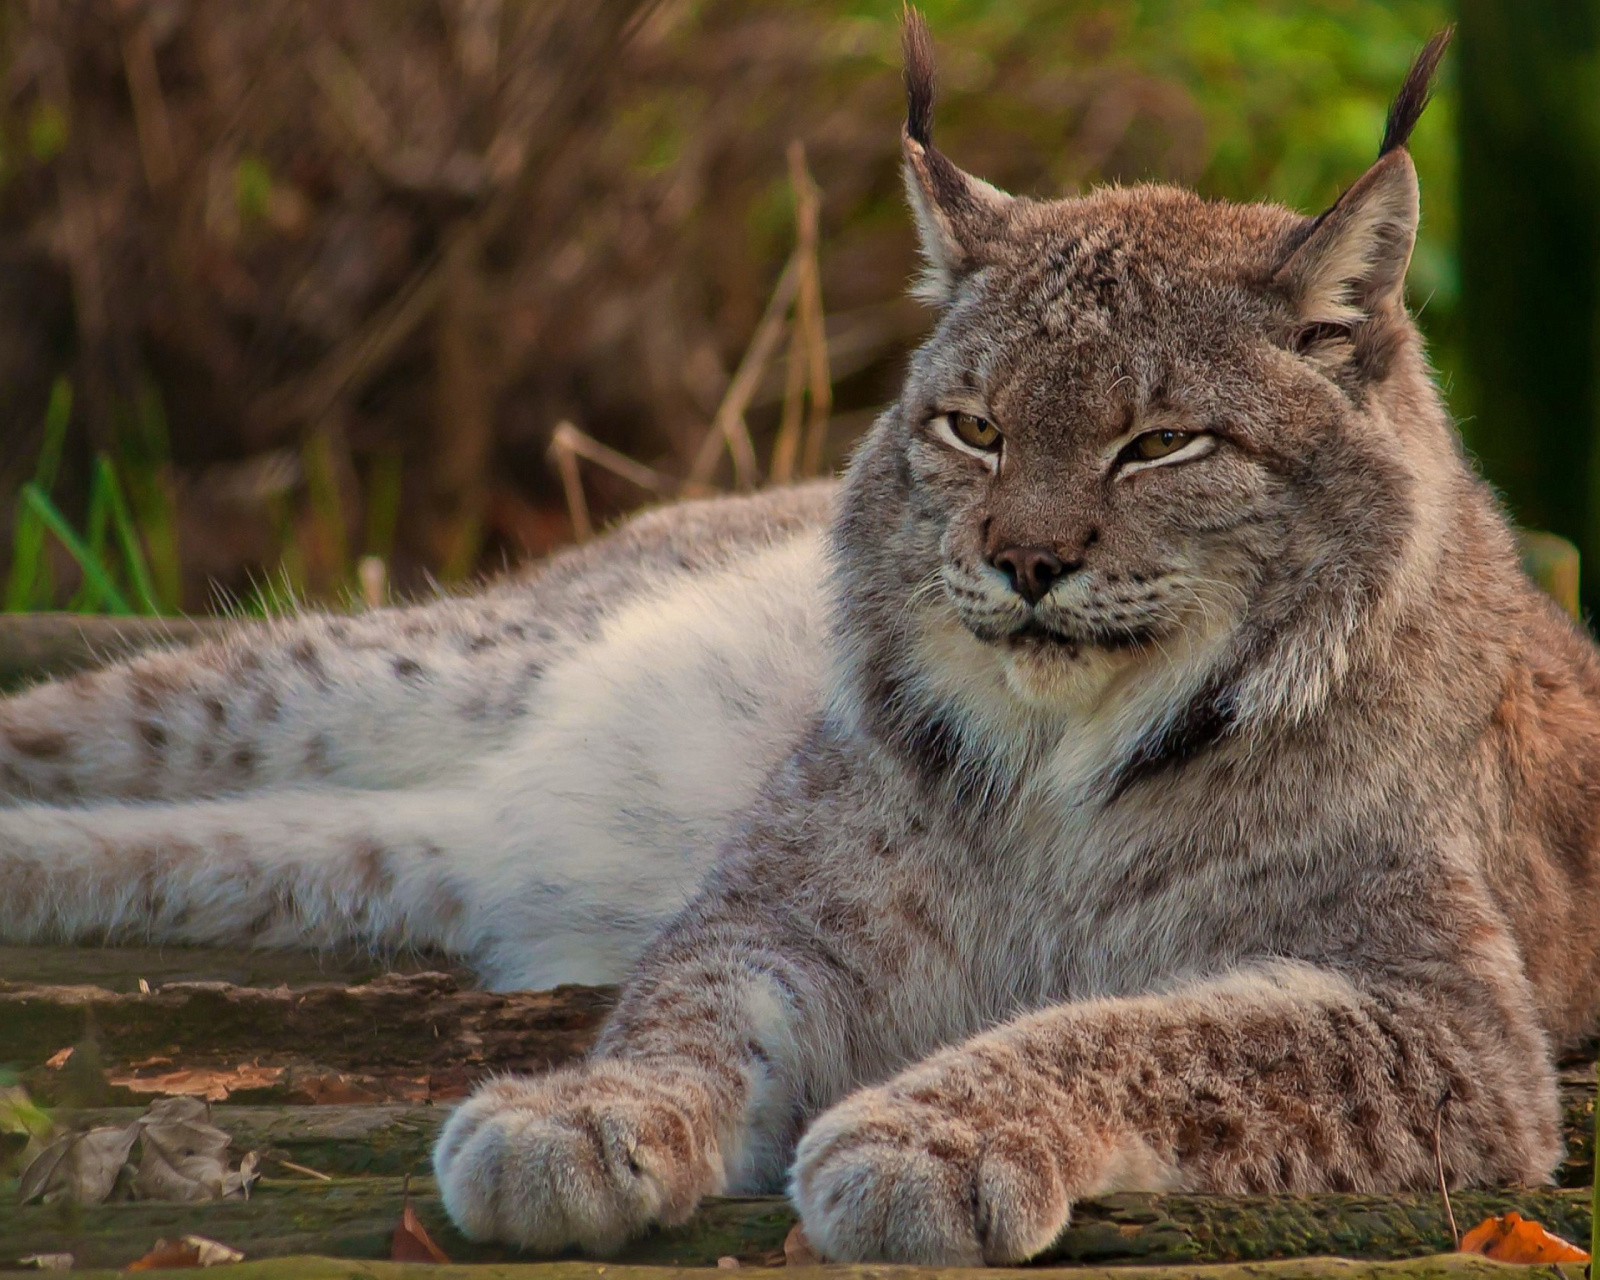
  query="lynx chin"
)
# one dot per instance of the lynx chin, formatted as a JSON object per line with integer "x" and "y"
{"x": 1147, "y": 768}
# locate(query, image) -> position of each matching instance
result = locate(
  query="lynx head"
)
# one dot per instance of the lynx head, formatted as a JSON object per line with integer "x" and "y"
{"x": 1156, "y": 446}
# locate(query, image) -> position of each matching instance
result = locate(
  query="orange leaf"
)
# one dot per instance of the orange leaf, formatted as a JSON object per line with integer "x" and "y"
{"x": 167, "y": 1254}
{"x": 411, "y": 1242}
{"x": 187, "y": 1251}
{"x": 1512, "y": 1238}
{"x": 797, "y": 1250}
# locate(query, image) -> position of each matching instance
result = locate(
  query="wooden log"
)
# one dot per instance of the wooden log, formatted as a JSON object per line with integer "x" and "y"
{"x": 1553, "y": 563}
{"x": 342, "y": 1141}
{"x": 354, "y": 1218}
{"x": 122, "y": 968}
{"x": 421, "y": 1020}
{"x": 1449, "y": 1266}
{"x": 393, "y": 1140}
{"x": 34, "y": 646}
{"x": 413, "y": 1028}
{"x": 1577, "y": 1126}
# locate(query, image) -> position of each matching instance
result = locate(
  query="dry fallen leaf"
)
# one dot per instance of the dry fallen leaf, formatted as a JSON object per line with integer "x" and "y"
{"x": 184, "y": 1156}
{"x": 1513, "y": 1238}
{"x": 59, "y": 1058}
{"x": 81, "y": 1167}
{"x": 411, "y": 1241}
{"x": 186, "y": 1251}
{"x": 47, "y": 1261}
{"x": 212, "y": 1083}
{"x": 797, "y": 1250}
{"x": 727, "y": 1263}
{"x": 239, "y": 1182}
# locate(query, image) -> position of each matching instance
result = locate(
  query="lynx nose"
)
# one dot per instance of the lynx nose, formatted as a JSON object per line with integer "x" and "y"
{"x": 1032, "y": 570}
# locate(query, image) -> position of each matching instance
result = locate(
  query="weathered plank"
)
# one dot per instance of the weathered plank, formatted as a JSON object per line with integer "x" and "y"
{"x": 354, "y": 1218}
{"x": 393, "y": 1140}
{"x": 342, "y": 1141}
{"x": 412, "y": 1038}
{"x": 36, "y": 645}
{"x": 1553, "y": 563}
{"x": 1450, "y": 1266}
{"x": 418, "y": 1025}
{"x": 120, "y": 969}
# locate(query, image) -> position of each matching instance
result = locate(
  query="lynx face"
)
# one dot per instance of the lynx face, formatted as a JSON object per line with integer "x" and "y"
{"x": 1151, "y": 437}
{"x": 1100, "y": 450}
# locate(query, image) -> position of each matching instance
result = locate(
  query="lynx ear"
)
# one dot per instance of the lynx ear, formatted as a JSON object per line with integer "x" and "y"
{"x": 1351, "y": 266}
{"x": 956, "y": 214}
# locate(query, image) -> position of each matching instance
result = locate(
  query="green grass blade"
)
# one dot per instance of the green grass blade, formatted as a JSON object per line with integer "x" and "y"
{"x": 28, "y": 585}
{"x": 383, "y": 505}
{"x": 56, "y": 416}
{"x": 105, "y": 480}
{"x": 27, "y": 561}
{"x": 34, "y": 498}
{"x": 88, "y": 599}
{"x": 319, "y": 463}
{"x": 128, "y": 539}
{"x": 150, "y": 493}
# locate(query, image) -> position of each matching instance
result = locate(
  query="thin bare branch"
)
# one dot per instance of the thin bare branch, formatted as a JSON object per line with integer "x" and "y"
{"x": 1438, "y": 1164}
{"x": 807, "y": 368}
{"x": 728, "y": 427}
{"x": 808, "y": 309}
{"x": 572, "y": 484}
{"x": 786, "y": 444}
{"x": 150, "y": 120}
{"x": 581, "y": 443}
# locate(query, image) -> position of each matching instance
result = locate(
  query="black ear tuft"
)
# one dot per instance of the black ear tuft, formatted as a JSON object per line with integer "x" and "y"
{"x": 1408, "y": 104}
{"x": 917, "y": 46}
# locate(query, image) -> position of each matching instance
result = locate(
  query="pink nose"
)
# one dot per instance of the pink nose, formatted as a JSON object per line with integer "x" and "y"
{"x": 1032, "y": 570}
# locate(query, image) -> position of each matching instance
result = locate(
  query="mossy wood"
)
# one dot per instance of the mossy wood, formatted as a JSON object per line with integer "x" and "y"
{"x": 1552, "y": 562}
{"x": 1449, "y": 1266}
{"x": 36, "y": 645}
{"x": 355, "y": 1218}
{"x": 348, "y": 1141}
{"x": 418, "y": 1024}
{"x": 121, "y": 969}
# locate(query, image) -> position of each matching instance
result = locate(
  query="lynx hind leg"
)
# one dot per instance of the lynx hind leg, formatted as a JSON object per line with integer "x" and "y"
{"x": 383, "y": 699}
{"x": 312, "y": 867}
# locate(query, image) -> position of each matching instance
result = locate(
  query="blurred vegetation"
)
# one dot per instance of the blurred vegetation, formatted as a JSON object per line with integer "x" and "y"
{"x": 323, "y": 280}
{"x": 1530, "y": 255}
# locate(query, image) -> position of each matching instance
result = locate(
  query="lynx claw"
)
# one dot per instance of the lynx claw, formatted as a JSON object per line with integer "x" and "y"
{"x": 590, "y": 1157}
{"x": 880, "y": 1179}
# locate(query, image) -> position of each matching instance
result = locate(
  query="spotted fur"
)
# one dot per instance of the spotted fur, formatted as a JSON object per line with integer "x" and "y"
{"x": 520, "y": 778}
{"x": 1253, "y": 849}
{"x": 1256, "y": 846}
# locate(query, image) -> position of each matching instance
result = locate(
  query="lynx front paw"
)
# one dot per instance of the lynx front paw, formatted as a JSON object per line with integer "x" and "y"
{"x": 883, "y": 1178}
{"x": 588, "y": 1157}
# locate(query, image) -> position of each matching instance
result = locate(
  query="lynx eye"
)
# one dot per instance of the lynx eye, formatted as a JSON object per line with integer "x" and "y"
{"x": 973, "y": 431}
{"x": 1158, "y": 444}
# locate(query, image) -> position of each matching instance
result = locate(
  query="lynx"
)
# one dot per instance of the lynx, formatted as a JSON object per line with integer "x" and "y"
{"x": 1148, "y": 769}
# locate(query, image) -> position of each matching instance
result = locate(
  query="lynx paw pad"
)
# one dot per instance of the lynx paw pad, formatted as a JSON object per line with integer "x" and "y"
{"x": 589, "y": 1157}
{"x": 880, "y": 1178}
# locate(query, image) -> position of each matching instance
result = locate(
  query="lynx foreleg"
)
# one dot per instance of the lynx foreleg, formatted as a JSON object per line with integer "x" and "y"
{"x": 1283, "y": 1078}
{"x": 698, "y": 1086}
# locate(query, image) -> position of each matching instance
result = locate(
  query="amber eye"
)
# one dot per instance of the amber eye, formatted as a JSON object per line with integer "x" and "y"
{"x": 1158, "y": 444}
{"x": 972, "y": 430}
